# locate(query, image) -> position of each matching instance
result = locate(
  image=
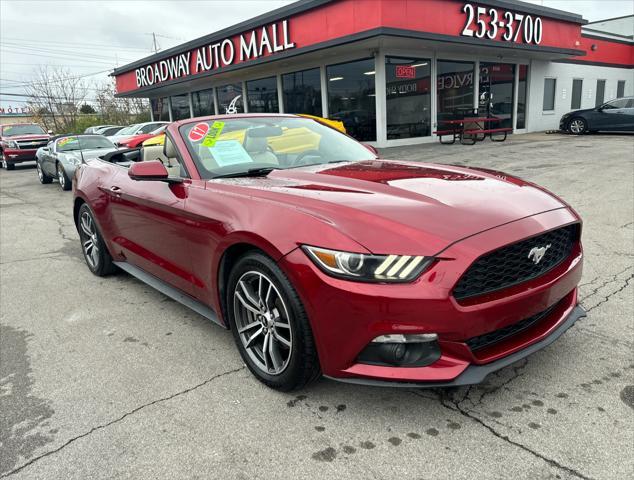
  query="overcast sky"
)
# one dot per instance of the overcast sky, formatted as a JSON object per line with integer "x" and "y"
{"x": 95, "y": 36}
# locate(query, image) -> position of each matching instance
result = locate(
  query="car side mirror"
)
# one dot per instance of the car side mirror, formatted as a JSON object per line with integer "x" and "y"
{"x": 46, "y": 149}
{"x": 50, "y": 132}
{"x": 152, "y": 170}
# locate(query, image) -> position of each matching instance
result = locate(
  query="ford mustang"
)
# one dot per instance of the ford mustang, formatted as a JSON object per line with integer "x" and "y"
{"x": 323, "y": 259}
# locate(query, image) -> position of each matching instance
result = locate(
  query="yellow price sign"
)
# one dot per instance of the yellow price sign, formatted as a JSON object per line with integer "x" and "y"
{"x": 214, "y": 133}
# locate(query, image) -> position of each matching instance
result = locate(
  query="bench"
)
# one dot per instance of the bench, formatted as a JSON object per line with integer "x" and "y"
{"x": 455, "y": 133}
{"x": 475, "y": 132}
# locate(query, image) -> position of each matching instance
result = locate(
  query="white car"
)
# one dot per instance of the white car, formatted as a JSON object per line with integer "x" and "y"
{"x": 136, "y": 129}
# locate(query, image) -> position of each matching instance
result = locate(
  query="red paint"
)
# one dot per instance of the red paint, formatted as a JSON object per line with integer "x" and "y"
{"x": 179, "y": 234}
{"x": 135, "y": 140}
{"x": 403, "y": 71}
{"x": 197, "y": 133}
{"x": 347, "y": 17}
{"x": 152, "y": 169}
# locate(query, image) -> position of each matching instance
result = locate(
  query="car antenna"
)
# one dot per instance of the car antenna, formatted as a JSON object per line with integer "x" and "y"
{"x": 80, "y": 150}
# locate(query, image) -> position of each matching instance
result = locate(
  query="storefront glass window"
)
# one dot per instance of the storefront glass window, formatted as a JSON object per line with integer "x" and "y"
{"x": 408, "y": 83}
{"x": 302, "y": 92}
{"x": 550, "y": 86}
{"x": 352, "y": 98}
{"x": 455, "y": 88}
{"x": 497, "y": 81}
{"x": 262, "y": 96}
{"x": 160, "y": 109}
{"x": 203, "y": 103}
{"x": 230, "y": 99}
{"x": 180, "y": 107}
{"x": 521, "y": 96}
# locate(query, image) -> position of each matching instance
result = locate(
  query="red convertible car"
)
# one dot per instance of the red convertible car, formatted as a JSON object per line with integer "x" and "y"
{"x": 324, "y": 259}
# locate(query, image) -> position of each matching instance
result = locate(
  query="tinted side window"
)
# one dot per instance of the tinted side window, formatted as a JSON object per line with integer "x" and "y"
{"x": 577, "y": 85}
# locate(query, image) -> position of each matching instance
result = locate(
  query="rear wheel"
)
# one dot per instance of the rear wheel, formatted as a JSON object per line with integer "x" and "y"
{"x": 577, "y": 126}
{"x": 270, "y": 325}
{"x": 95, "y": 252}
{"x": 44, "y": 178}
{"x": 63, "y": 179}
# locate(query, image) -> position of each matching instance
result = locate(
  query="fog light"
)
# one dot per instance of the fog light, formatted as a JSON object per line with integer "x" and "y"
{"x": 402, "y": 350}
{"x": 412, "y": 338}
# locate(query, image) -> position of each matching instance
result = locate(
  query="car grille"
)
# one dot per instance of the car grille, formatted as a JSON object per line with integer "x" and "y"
{"x": 31, "y": 144}
{"x": 514, "y": 264}
{"x": 481, "y": 341}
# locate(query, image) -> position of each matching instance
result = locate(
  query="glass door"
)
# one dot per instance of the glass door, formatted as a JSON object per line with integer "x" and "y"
{"x": 496, "y": 92}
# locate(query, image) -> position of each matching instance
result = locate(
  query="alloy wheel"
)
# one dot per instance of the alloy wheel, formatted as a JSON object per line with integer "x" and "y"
{"x": 263, "y": 322}
{"x": 90, "y": 240}
{"x": 577, "y": 126}
{"x": 60, "y": 176}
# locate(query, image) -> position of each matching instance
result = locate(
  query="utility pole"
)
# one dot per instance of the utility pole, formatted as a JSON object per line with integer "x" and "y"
{"x": 155, "y": 43}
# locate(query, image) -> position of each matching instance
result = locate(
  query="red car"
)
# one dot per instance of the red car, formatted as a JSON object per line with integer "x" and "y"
{"x": 323, "y": 259}
{"x": 19, "y": 142}
{"x": 136, "y": 140}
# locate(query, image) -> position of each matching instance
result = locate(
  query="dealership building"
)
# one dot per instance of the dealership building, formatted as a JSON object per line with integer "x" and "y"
{"x": 392, "y": 69}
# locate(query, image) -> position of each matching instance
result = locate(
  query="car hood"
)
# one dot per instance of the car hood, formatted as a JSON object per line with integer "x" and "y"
{"x": 21, "y": 138}
{"x": 404, "y": 207}
{"x": 579, "y": 112}
{"x": 90, "y": 153}
{"x": 116, "y": 138}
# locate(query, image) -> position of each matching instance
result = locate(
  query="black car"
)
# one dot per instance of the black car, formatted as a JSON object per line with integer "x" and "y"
{"x": 614, "y": 116}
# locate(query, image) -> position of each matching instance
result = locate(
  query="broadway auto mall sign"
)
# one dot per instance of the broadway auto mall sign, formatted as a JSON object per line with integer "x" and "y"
{"x": 261, "y": 42}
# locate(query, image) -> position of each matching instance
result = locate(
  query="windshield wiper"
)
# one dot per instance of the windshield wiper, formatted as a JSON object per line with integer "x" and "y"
{"x": 252, "y": 172}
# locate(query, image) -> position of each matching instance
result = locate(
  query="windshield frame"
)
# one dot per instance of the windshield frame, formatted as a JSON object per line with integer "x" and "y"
{"x": 356, "y": 149}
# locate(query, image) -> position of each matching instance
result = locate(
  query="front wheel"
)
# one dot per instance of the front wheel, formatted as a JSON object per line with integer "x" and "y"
{"x": 5, "y": 164}
{"x": 93, "y": 246}
{"x": 44, "y": 178}
{"x": 63, "y": 179}
{"x": 270, "y": 325}
{"x": 577, "y": 126}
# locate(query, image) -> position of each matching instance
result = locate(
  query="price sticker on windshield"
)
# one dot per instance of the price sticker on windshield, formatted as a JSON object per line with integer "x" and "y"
{"x": 199, "y": 131}
{"x": 214, "y": 133}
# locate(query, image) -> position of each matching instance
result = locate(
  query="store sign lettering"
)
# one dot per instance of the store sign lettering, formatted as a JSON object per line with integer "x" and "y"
{"x": 504, "y": 25}
{"x": 455, "y": 81}
{"x": 404, "y": 71}
{"x": 263, "y": 41}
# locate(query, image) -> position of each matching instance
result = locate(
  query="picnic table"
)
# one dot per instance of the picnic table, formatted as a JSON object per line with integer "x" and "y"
{"x": 472, "y": 129}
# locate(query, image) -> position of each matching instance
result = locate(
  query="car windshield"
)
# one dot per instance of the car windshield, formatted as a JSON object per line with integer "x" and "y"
{"x": 239, "y": 145}
{"x": 15, "y": 130}
{"x": 68, "y": 144}
{"x": 128, "y": 130}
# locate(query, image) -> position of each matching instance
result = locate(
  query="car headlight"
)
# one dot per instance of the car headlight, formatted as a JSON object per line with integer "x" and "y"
{"x": 11, "y": 143}
{"x": 366, "y": 267}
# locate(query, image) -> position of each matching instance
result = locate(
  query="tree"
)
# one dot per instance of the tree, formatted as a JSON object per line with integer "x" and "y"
{"x": 87, "y": 109}
{"x": 121, "y": 111}
{"x": 56, "y": 90}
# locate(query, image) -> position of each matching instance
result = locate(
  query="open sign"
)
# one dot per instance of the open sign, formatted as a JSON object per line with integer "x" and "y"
{"x": 403, "y": 71}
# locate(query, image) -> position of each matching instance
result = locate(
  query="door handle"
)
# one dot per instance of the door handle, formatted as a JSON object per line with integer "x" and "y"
{"x": 116, "y": 191}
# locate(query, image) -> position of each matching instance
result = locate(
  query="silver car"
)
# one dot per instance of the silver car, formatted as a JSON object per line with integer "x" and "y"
{"x": 63, "y": 154}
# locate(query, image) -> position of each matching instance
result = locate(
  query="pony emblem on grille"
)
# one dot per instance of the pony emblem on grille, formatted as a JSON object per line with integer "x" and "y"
{"x": 537, "y": 253}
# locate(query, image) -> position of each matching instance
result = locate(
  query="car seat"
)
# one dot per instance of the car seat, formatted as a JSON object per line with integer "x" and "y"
{"x": 155, "y": 152}
{"x": 258, "y": 149}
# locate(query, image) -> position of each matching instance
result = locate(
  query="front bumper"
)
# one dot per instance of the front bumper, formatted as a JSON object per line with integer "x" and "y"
{"x": 345, "y": 316}
{"x": 12, "y": 155}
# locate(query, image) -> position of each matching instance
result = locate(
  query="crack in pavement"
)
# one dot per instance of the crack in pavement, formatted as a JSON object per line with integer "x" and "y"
{"x": 454, "y": 406}
{"x": 606, "y": 298}
{"x": 112, "y": 422}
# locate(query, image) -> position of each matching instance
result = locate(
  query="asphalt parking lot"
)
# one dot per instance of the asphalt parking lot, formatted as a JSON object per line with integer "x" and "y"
{"x": 106, "y": 378}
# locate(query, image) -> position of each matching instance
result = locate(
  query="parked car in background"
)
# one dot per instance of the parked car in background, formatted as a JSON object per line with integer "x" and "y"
{"x": 136, "y": 140}
{"x": 336, "y": 124}
{"x": 109, "y": 131}
{"x": 136, "y": 129}
{"x": 155, "y": 140}
{"x": 94, "y": 128}
{"x": 322, "y": 258}
{"x": 614, "y": 116}
{"x": 61, "y": 156}
{"x": 19, "y": 143}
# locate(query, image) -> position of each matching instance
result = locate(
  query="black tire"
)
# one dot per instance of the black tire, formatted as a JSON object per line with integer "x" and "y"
{"x": 302, "y": 366}
{"x": 6, "y": 164}
{"x": 577, "y": 126}
{"x": 44, "y": 178}
{"x": 64, "y": 182}
{"x": 99, "y": 263}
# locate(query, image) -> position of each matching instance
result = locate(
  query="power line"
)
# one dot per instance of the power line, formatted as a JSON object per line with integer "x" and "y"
{"x": 57, "y": 42}
{"x": 57, "y": 51}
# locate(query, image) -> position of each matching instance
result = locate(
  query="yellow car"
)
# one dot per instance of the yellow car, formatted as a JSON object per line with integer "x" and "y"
{"x": 336, "y": 124}
{"x": 157, "y": 140}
